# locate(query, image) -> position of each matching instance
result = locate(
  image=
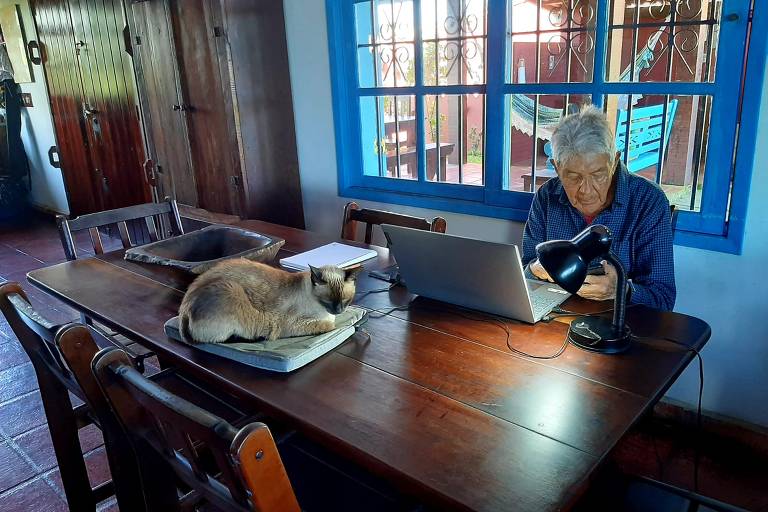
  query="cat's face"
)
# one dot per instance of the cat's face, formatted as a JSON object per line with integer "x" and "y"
{"x": 334, "y": 287}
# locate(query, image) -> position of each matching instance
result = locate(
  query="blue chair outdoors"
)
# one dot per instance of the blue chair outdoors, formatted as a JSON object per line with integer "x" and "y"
{"x": 644, "y": 134}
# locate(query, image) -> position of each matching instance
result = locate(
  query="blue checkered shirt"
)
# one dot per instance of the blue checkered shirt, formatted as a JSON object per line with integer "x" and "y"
{"x": 640, "y": 221}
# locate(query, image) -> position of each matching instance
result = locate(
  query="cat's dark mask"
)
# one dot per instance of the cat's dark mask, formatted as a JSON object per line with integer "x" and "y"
{"x": 318, "y": 277}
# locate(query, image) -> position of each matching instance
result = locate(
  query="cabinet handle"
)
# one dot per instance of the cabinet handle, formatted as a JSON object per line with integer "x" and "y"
{"x": 33, "y": 47}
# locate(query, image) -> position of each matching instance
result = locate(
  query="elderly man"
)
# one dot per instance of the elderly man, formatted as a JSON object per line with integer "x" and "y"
{"x": 594, "y": 186}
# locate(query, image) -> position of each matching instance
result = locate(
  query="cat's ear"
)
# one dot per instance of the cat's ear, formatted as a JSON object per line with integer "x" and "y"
{"x": 317, "y": 275}
{"x": 350, "y": 273}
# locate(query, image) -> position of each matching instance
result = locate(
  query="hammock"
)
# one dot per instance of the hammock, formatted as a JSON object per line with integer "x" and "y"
{"x": 521, "y": 113}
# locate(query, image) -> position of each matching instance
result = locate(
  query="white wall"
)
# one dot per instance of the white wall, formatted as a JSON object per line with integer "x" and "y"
{"x": 720, "y": 288}
{"x": 37, "y": 132}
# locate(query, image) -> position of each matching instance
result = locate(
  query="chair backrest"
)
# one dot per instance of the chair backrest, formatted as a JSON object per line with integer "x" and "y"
{"x": 673, "y": 211}
{"x": 149, "y": 212}
{"x": 37, "y": 335}
{"x": 645, "y": 136}
{"x": 229, "y": 468}
{"x": 354, "y": 214}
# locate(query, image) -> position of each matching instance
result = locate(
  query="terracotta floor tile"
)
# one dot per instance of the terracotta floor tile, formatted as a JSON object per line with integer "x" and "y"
{"x": 13, "y": 469}
{"x": 22, "y": 414}
{"x": 16, "y": 381}
{"x": 14, "y": 263}
{"x": 36, "y": 496}
{"x": 98, "y": 469}
{"x": 11, "y": 354}
{"x": 37, "y": 445}
{"x": 98, "y": 466}
{"x": 46, "y": 250}
{"x": 5, "y": 330}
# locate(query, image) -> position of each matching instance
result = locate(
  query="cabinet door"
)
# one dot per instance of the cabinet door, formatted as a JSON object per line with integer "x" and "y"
{"x": 110, "y": 107}
{"x": 57, "y": 38}
{"x": 158, "y": 84}
{"x": 205, "y": 82}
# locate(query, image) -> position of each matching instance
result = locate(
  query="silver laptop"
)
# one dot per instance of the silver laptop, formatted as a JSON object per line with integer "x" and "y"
{"x": 480, "y": 275}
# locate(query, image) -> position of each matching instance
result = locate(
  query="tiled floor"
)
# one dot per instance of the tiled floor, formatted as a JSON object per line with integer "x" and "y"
{"x": 29, "y": 478}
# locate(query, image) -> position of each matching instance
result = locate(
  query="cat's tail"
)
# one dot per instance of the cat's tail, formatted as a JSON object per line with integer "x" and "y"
{"x": 186, "y": 334}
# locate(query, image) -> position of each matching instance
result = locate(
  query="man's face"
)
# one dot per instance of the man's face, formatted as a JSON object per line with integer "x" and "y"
{"x": 587, "y": 180}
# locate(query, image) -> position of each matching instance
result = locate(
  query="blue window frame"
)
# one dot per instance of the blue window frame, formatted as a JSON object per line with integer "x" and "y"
{"x": 401, "y": 120}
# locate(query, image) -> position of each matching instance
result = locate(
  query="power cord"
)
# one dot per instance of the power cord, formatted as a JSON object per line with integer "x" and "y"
{"x": 362, "y": 295}
{"x": 688, "y": 348}
{"x": 496, "y": 322}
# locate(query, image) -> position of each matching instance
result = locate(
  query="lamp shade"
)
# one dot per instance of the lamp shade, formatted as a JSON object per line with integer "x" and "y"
{"x": 567, "y": 261}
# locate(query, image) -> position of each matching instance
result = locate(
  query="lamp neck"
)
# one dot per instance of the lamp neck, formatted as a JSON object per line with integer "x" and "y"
{"x": 620, "y": 302}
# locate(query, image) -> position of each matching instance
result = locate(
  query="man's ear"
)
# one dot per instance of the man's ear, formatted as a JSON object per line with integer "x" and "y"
{"x": 350, "y": 273}
{"x": 616, "y": 159}
{"x": 317, "y": 275}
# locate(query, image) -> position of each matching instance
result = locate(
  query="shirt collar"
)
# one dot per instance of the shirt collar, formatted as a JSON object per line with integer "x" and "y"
{"x": 620, "y": 196}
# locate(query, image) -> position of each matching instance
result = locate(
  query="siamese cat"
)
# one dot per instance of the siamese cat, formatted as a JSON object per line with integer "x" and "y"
{"x": 245, "y": 299}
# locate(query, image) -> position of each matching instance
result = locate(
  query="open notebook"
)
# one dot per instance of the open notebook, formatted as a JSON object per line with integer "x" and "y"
{"x": 285, "y": 354}
{"x": 340, "y": 255}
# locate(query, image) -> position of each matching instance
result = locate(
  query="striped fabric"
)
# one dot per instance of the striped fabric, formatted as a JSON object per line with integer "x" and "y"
{"x": 640, "y": 221}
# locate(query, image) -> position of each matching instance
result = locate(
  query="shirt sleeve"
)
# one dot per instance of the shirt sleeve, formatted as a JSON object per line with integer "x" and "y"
{"x": 535, "y": 229}
{"x": 653, "y": 269}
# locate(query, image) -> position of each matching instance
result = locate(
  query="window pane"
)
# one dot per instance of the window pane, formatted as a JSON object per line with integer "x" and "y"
{"x": 388, "y": 136}
{"x": 453, "y": 32}
{"x": 657, "y": 43}
{"x": 554, "y": 43}
{"x": 671, "y": 130}
{"x": 529, "y": 165}
{"x": 385, "y": 43}
{"x": 454, "y": 123}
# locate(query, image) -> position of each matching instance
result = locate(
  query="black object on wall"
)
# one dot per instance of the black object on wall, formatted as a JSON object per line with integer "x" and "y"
{"x": 14, "y": 174}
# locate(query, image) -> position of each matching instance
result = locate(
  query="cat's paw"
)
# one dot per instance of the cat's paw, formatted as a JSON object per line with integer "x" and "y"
{"x": 327, "y": 325}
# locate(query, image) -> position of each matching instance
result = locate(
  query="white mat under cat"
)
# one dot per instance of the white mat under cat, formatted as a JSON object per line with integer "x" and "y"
{"x": 285, "y": 354}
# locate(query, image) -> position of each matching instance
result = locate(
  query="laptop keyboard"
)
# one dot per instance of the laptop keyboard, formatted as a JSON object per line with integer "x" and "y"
{"x": 543, "y": 303}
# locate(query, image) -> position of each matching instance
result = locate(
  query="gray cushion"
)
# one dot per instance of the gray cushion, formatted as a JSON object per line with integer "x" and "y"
{"x": 284, "y": 354}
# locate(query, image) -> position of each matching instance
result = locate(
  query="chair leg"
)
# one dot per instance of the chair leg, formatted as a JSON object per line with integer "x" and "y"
{"x": 66, "y": 444}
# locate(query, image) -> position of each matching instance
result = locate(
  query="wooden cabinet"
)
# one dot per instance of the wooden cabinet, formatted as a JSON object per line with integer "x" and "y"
{"x": 216, "y": 99}
{"x": 95, "y": 110}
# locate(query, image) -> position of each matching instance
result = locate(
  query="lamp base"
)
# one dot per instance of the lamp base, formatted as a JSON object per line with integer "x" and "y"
{"x": 598, "y": 335}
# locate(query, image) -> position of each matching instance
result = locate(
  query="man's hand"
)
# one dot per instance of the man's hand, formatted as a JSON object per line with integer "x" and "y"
{"x": 599, "y": 287}
{"x": 538, "y": 271}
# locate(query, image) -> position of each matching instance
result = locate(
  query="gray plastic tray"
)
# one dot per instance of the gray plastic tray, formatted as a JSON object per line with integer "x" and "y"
{"x": 198, "y": 251}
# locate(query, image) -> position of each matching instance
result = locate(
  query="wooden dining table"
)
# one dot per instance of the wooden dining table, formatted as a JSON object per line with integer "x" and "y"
{"x": 429, "y": 396}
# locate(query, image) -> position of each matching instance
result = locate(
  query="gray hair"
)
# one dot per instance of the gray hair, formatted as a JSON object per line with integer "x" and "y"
{"x": 586, "y": 131}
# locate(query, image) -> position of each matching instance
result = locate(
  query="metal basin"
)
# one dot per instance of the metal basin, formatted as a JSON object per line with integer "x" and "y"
{"x": 198, "y": 251}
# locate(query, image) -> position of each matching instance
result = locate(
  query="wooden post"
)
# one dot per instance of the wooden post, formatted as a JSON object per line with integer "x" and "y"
{"x": 614, "y": 61}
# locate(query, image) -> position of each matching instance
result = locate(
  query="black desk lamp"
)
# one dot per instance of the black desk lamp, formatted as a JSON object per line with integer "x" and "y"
{"x": 567, "y": 263}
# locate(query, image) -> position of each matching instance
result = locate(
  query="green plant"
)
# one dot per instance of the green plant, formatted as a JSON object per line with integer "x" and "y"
{"x": 432, "y": 118}
{"x": 475, "y": 143}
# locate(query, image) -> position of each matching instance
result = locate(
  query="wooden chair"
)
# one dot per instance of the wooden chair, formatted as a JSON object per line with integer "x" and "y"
{"x": 354, "y": 214}
{"x": 221, "y": 466}
{"x": 149, "y": 213}
{"x": 673, "y": 212}
{"x": 167, "y": 212}
{"x": 37, "y": 336}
